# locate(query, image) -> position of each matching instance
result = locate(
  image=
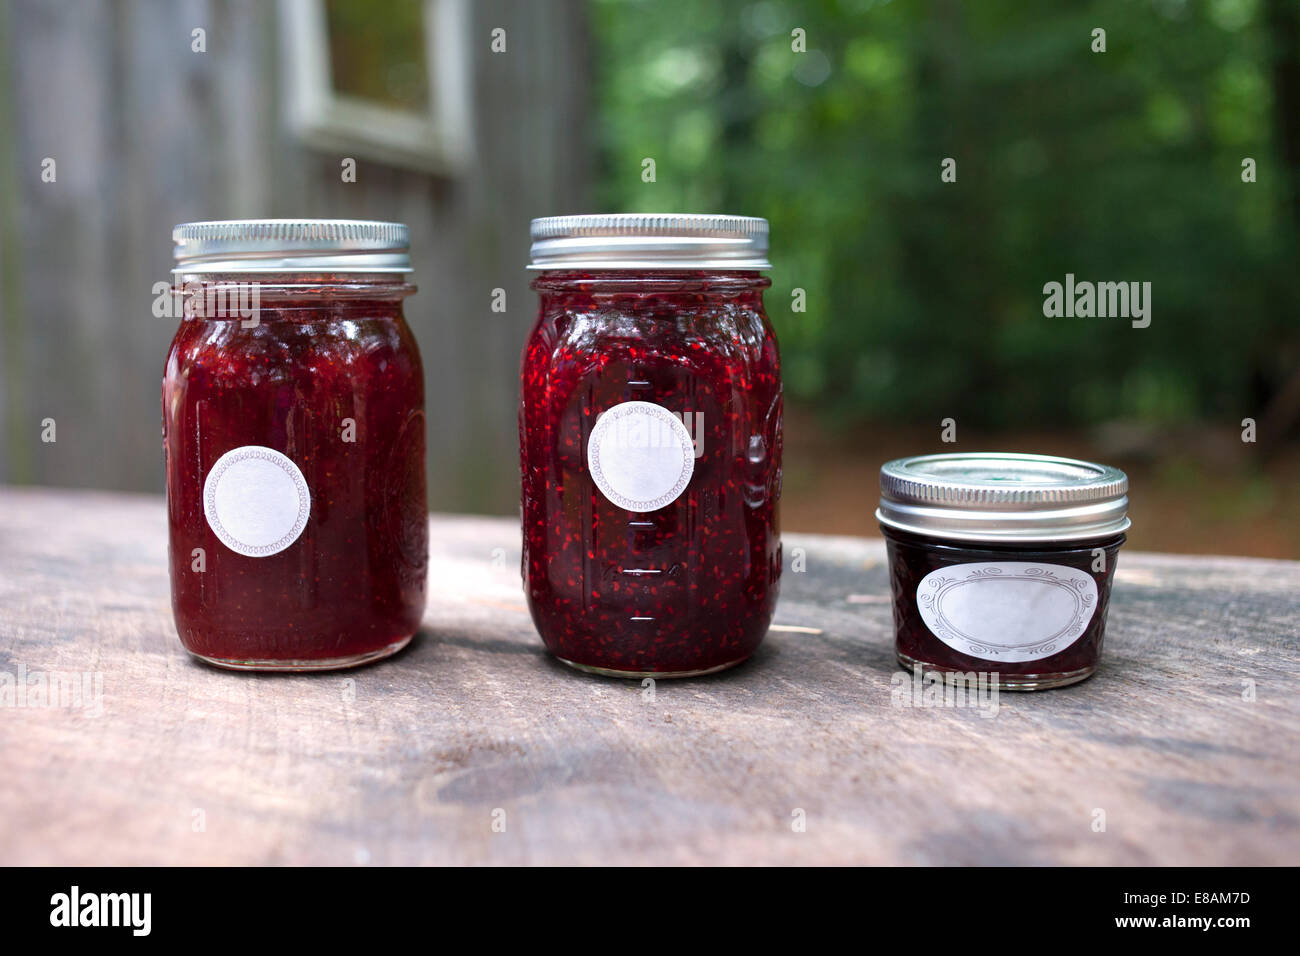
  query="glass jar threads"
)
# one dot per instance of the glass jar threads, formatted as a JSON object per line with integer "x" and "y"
{"x": 650, "y": 443}
{"x": 1001, "y": 564}
{"x": 293, "y": 424}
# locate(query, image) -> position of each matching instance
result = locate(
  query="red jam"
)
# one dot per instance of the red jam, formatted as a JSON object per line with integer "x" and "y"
{"x": 912, "y": 557}
{"x": 687, "y": 586}
{"x": 328, "y": 380}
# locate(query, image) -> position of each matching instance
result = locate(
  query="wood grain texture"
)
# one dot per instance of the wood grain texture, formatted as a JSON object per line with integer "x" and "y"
{"x": 405, "y": 761}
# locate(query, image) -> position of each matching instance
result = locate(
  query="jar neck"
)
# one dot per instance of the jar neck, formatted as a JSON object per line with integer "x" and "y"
{"x": 297, "y": 295}
{"x": 623, "y": 282}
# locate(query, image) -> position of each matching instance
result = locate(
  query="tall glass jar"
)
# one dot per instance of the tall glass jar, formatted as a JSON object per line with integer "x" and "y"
{"x": 650, "y": 443}
{"x": 293, "y": 424}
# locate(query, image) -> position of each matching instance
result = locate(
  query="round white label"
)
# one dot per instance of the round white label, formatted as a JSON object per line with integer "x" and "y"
{"x": 1008, "y": 610}
{"x": 256, "y": 501}
{"x": 640, "y": 455}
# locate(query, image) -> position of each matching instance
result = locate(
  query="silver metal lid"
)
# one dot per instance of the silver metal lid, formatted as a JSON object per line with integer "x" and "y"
{"x": 997, "y": 496}
{"x": 291, "y": 245}
{"x": 649, "y": 241}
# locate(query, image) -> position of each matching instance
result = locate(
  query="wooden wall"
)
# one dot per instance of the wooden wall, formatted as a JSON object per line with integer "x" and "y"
{"x": 147, "y": 133}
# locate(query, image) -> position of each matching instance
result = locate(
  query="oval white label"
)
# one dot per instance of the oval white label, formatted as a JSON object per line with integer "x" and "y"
{"x": 1007, "y": 610}
{"x": 256, "y": 501}
{"x": 640, "y": 455}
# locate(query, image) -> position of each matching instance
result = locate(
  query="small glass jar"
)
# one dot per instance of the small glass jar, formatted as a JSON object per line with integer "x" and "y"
{"x": 1001, "y": 564}
{"x": 650, "y": 443}
{"x": 293, "y": 424}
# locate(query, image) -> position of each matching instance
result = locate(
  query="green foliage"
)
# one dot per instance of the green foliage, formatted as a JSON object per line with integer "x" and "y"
{"x": 926, "y": 297}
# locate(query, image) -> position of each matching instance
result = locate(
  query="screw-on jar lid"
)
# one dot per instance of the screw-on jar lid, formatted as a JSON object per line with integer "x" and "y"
{"x": 291, "y": 245}
{"x": 997, "y": 497}
{"x": 649, "y": 241}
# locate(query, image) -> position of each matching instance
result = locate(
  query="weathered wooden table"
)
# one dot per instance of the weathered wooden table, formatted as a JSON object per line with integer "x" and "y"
{"x": 1183, "y": 750}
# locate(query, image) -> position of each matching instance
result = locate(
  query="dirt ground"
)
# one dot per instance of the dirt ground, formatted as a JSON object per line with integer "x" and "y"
{"x": 1194, "y": 490}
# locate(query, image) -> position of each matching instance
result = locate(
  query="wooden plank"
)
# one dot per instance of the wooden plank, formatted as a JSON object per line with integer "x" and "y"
{"x": 406, "y": 761}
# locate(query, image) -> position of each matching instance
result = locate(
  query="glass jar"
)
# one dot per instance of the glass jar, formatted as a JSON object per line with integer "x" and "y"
{"x": 1001, "y": 564}
{"x": 650, "y": 443}
{"x": 293, "y": 424}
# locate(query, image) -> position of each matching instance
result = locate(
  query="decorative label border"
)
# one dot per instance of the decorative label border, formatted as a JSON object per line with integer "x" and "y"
{"x": 936, "y": 586}
{"x": 607, "y": 420}
{"x": 233, "y": 457}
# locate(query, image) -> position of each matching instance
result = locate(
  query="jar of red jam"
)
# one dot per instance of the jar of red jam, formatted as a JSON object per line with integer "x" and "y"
{"x": 293, "y": 424}
{"x": 1001, "y": 564}
{"x": 650, "y": 443}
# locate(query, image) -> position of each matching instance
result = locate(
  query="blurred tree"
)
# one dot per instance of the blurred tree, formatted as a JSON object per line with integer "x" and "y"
{"x": 926, "y": 297}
